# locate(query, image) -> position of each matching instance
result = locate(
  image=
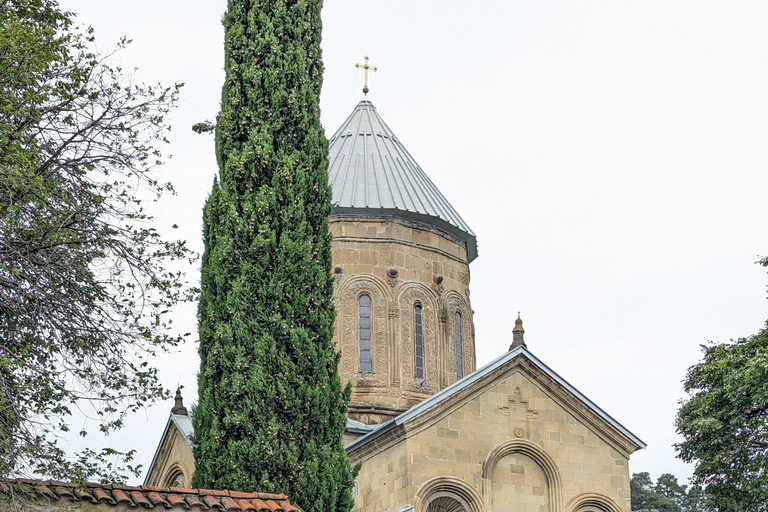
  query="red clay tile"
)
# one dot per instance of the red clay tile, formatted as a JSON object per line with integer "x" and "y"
{"x": 102, "y": 495}
{"x": 182, "y": 490}
{"x": 120, "y": 496}
{"x": 212, "y": 492}
{"x": 139, "y": 499}
{"x": 194, "y": 501}
{"x": 156, "y": 499}
{"x": 175, "y": 501}
{"x": 84, "y": 495}
{"x": 43, "y": 490}
{"x": 245, "y": 495}
{"x": 245, "y": 505}
{"x": 64, "y": 491}
{"x": 151, "y": 488}
{"x": 273, "y": 506}
{"x": 287, "y": 506}
{"x": 212, "y": 502}
{"x": 229, "y": 503}
{"x": 260, "y": 505}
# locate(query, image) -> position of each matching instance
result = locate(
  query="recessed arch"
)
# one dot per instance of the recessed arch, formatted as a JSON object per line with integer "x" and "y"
{"x": 442, "y": 490}
{"x": 538, "y": 455}
{"x": 177, "y": 475}
{"x": 591, "y": 502}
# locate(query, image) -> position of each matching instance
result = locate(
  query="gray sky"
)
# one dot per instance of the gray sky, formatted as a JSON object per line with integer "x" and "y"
{"x": 610, "y": 156}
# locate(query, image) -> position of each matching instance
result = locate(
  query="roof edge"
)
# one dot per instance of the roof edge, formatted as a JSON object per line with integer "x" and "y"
{"x": 475, "y": 376}
{"x": 469, "y": 238}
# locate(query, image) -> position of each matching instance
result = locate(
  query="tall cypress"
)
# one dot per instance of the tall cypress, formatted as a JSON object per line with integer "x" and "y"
{"x": 271, "y": 408}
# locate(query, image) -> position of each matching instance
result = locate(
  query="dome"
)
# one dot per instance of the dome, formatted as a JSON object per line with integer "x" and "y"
{"x": 372, "y": 174}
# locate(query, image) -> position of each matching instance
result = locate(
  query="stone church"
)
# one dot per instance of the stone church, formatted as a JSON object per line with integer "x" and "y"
{"x": 433, "y": 432}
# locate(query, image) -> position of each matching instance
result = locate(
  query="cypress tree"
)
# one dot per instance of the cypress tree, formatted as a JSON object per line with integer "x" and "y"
{"x": 271, "y": 409}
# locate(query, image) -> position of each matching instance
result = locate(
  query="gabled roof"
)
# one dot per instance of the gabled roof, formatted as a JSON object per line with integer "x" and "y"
{"x": 184, "y": 424}
{"x": 371, "y": 173}
{"x": 520, "y": 351}
{"x": 143, "y": 497}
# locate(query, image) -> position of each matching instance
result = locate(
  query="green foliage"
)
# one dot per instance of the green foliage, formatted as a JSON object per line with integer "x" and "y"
{"x": 271, "y": 408}
{"x": 83, "y": 288}
{"x": 665, "y": 494}
{"x": 725, "y": 423}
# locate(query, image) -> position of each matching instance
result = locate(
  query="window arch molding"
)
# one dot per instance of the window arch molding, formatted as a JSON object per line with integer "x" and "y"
{"x": 347, "y": 331}
{"x": 410, "y": 294}
{"x": 538, "y": 455}
{"x": 454, "y": 303}
{"x": 450, "y": 487}
{"x": 592, "y": 502}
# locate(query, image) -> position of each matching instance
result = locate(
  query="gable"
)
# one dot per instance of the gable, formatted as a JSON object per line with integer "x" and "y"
{"x": 511, "y": 434}
{"x": 173, "y": 463}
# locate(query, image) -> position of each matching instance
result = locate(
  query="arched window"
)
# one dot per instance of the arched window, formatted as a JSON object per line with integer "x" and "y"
{"x": 418, "y": 337}
{"x": 365, "y": 334}
{"x": 459, "y": 348}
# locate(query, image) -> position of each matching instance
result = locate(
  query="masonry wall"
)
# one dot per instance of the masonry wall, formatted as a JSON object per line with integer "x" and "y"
{"x": 399, "y": 264}
{"x": 514, "y": 446}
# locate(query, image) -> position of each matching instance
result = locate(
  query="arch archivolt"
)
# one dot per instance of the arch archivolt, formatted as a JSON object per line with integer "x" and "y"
{"x": 442, "y": 487}
{"x": 592, "y": 502}
{"x": 410, "y": 294}
{"x": 177, "y": 475}
{"x": 538, "y": 455}
{"x": 347, "y": 332}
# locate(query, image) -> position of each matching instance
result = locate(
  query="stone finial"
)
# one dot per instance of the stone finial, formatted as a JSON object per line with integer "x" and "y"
{"x": 517, "y": 334}
{"x": 178, "y": 407}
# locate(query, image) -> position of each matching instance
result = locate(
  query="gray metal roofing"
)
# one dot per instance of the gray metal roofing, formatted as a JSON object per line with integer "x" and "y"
{"x": 371, "y": 173}
{"x": 474, "y": 377}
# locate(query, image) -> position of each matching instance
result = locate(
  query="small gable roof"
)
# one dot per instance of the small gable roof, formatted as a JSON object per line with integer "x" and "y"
{"x": 472, "y": 378}
{"x": 183, "y": 423}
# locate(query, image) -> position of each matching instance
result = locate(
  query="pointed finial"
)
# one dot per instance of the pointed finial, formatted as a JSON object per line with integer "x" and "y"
{"x": 517, "y": 334}
{"x": 178, "y": 407}
{"x": 366, "y": 67}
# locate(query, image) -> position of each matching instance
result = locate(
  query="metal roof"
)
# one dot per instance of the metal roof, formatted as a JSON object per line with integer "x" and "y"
{"x": 371, "y": 173}
{"x": 476, "y": 376}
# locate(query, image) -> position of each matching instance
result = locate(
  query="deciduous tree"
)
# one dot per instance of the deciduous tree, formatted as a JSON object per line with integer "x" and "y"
{"x": 84, "y": 287}
{"x": 724, "y": 423}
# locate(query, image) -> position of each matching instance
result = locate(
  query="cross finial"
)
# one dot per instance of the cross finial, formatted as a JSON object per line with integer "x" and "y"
{"x": 366, "y": 67}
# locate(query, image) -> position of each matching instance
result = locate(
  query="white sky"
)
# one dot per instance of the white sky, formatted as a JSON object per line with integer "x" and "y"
{"x": 610, "y": 156}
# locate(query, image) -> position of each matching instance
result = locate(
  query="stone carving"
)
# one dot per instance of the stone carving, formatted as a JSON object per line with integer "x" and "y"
{"x": 520, "y": 414}
{"x": 347, "y": 338}
{"x": 419, "y": 294}
{"x": 392, "y": 274}
{"x": 464, "y": 278}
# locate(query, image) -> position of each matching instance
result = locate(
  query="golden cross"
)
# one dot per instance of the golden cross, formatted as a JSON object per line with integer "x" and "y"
{"x": 366, "y": 67}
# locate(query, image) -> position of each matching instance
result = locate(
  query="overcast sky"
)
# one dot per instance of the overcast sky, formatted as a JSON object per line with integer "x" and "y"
{"x": 610, "y": 156}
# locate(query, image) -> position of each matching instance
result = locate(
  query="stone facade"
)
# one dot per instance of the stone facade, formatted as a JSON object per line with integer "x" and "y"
{"x": 400, "y": 264}
{"x": 174, "y": 463}
{"x": 513, "y": 441}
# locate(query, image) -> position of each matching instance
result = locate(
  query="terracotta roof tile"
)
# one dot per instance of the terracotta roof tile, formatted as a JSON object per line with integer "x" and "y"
{"x": 230, "y": 504}
{"x": 160, "y": 498}
{"x": 176, "y": 501}
{"x": 245, "y": 505}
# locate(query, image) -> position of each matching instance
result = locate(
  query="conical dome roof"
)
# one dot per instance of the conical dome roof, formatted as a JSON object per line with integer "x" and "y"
{"x": 372, "y": 174}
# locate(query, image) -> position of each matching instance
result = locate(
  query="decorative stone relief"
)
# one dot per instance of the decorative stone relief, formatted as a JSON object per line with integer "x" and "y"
{"x": 520, "y": 414}
{"x": 408, "y": 299}
{"x": 349, "y": 333}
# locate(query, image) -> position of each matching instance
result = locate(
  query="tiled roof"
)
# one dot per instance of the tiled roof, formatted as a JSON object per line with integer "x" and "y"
{"x": 372, "y": 174}
{"x": 148, "y": 497}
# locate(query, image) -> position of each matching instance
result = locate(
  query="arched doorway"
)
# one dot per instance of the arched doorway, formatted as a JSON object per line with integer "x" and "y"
{"x": 445, "y": 504}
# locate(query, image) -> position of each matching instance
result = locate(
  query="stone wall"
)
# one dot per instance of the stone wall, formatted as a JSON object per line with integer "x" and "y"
{"x": 399, "y": 264}
{"x": 515, "y": 445}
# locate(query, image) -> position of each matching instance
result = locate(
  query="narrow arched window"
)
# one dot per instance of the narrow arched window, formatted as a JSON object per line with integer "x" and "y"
{"x": 365, "y": 334}
{"x": 459, "y": 348}
{"x": 418, "y": 337}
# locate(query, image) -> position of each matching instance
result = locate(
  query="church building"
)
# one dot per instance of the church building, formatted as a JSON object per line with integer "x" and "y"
{"x": 433, "y": 432}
